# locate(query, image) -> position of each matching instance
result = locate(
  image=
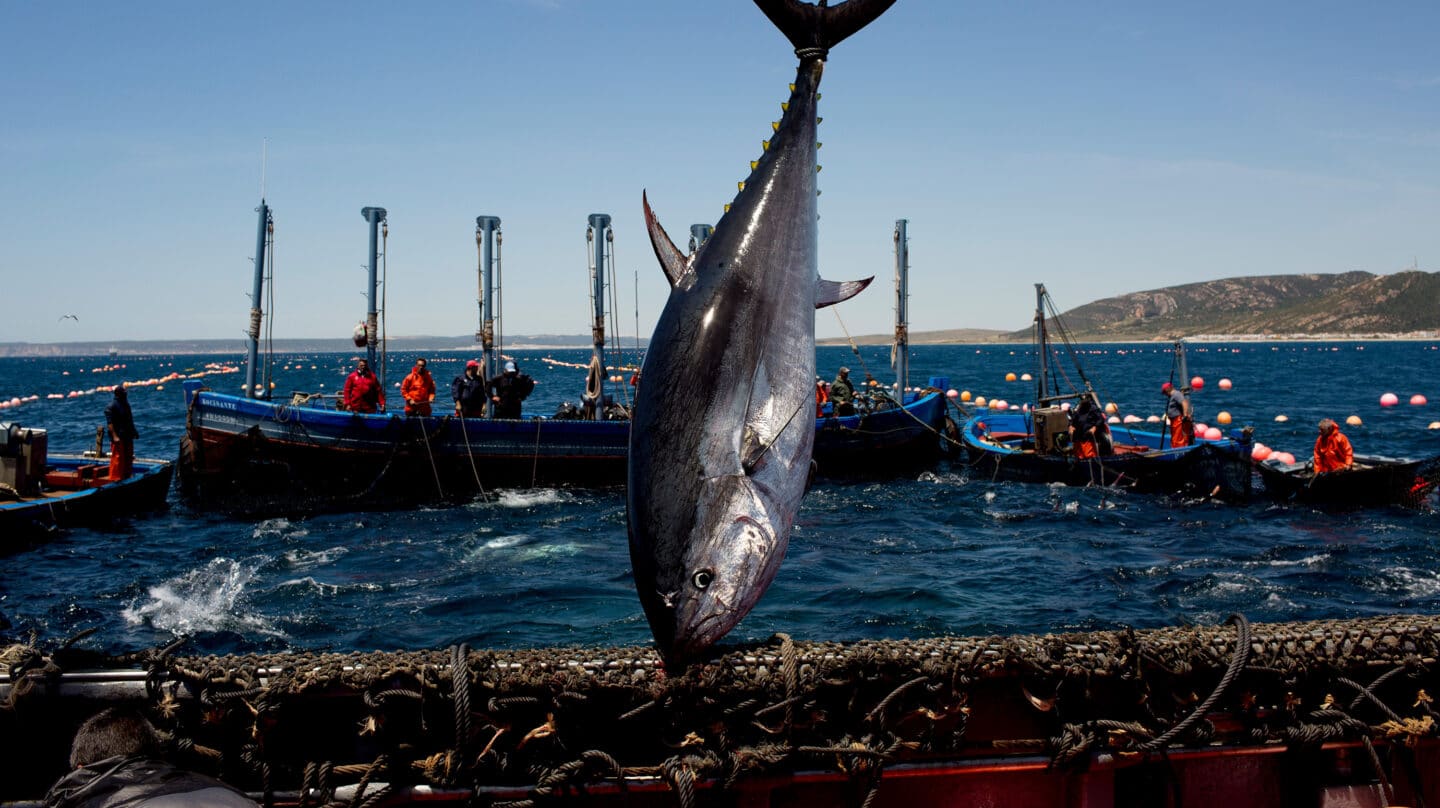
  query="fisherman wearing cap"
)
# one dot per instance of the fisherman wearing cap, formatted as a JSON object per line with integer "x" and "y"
{"x": 468, "y": 392}
{"x": 1178, "y": 415}
{"x": 842, "y": 393}
{"x": 507, "y": 391}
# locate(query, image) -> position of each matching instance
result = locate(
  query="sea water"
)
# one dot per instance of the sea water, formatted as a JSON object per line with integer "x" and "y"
{"x": 943, "y": 551}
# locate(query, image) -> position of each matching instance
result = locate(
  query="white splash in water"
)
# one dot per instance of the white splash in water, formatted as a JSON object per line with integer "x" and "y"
{"x": 530, "y": 499}
{"x": 302, "y": 559}
{"x": 210, "y": 598}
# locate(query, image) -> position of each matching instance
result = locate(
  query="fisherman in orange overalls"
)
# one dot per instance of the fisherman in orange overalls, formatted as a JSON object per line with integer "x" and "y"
{"x": 1332, "y": 449}
{"x": 121, "y": 422}
{"x": 418, "y": 388}
{"x": 1178, "y": 414}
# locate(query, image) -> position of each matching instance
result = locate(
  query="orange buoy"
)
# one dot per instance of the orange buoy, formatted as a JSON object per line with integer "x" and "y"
{"x": 965, "y": 396}
{"x": 1260, "y": 451}
{"x": 1009, "y": 377}
{"x": 1223, "y": 417}
{"x": 1196, "y": 383}
{"x": 1354, "y": 420}
{"x": 1214, "y": 433}
{"x": 1284, "y": 457}
{"x": 979, "y": 401}
{"x": 1280, "y": 419}
{"x": 1226, "y": 384}
{"x": 1111, "y": 408}
{"x": 1417, "y": 400}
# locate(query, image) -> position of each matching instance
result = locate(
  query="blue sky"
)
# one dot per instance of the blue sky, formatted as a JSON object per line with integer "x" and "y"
{"x": 1098, "y": 148}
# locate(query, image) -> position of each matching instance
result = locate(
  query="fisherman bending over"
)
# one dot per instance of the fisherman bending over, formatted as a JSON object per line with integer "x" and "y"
{"x": 362, "y": 390}
{"x": 418, "y": 390}
{"x": 1089, "y": 433}
{"x": 469, "y": 392}
{"x": 116, "y": 762}
{"x": 509, "y": 390}
{"x": 1332, "y": 449}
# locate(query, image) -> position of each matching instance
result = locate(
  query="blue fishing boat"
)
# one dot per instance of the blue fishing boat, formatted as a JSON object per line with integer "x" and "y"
{"x": 42, "y": 492}
{"x": 1034, "y": 445}
{"x": 250, "y": 453}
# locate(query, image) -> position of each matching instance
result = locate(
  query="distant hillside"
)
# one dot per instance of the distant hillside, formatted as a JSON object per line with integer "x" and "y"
{"x": 952, "y": 336}
{"x": 1357, "y": 303}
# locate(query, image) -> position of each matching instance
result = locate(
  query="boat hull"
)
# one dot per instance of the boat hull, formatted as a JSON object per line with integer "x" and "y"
{"x": 95, "y": 501}
{"x": 1000, "y": 446}
{"x": 246, "y": 455}
{"x": 1374, "y": 481}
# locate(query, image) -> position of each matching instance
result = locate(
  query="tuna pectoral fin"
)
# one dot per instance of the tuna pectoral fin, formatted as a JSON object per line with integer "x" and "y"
{"x": 675, "y": 263}
{"x": 828, "y": 293}
{"x": 820, "y": 27}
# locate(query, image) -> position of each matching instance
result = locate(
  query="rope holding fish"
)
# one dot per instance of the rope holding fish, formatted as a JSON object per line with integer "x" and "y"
{"x": 1237, "y": 664}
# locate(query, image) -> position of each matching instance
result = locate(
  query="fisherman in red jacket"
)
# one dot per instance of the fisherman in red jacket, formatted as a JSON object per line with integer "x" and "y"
{"x": 362, "y": 390}
{"x": 418, "y": 390}
{"x": 1332, "y": 449}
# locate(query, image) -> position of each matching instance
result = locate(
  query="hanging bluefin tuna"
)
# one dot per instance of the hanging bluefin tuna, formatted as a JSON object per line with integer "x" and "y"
{"x": 724, "y": 418}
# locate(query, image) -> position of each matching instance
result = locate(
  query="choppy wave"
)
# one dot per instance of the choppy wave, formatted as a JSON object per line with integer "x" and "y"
{"x": 214, "y": 597}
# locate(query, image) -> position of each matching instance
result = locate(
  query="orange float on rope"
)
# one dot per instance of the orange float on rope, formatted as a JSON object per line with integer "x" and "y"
{"x": 1418, "y": 400}
{"x": 1260, "y": 451}
{"x": 1223, "y": 417}
{"x": 1354, "y": 420}
{"x": 1009, "y": 377}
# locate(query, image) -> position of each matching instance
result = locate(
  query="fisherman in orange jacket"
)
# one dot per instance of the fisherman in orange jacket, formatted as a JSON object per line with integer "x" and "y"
{"x": 418, "y": 390}
{"x": 1332, "y": 449}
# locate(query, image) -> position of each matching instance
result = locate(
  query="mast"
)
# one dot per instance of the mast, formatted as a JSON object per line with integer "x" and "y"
{"x": 1042, "y": 343}
{"x": 375, "y": 216}
{"x": 598, "y": 234}
{"x": 900, "y": 360}
{"x": 253, "y": 343}
{"x": 699, "y": 233}
{"x": 487, "y": 229}
{"x": 1184, "y": 371}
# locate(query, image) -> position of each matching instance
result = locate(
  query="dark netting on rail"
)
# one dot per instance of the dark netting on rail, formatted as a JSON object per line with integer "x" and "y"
{"x": 554, "y": 719}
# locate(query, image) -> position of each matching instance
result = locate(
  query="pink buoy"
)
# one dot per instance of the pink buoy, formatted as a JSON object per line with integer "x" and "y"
{"x": 1389, "y": 400}
{"x": 1197, "y": 383}
{"x": 1200, "y": 428}
{"x": 1260, "y": 452}
{"x": 1418, "y": 400}
{"x": 1226, "y": 384}
{"x": 1284, "y": 457}
{"x": 952, "y": 393}
{"x": 1214, "y": 433}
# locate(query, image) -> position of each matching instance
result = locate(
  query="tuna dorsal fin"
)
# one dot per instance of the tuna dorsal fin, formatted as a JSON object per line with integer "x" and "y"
{"x": 815, "y": 29}
{"x": 675, "y": 263}
{"x": 828, "y": 293}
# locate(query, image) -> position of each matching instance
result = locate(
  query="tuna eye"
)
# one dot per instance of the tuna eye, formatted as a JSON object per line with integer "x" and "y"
{"x": 702, "y": 579}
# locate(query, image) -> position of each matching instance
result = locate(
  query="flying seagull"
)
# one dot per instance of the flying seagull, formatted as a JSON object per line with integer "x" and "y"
{"x": 68, "y": 317}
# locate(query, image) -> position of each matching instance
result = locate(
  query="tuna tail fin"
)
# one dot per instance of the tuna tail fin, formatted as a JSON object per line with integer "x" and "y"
{"x": 815, "y": 29}
{"x": 675, "y": 263}
{"x": 828, "y": 293}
